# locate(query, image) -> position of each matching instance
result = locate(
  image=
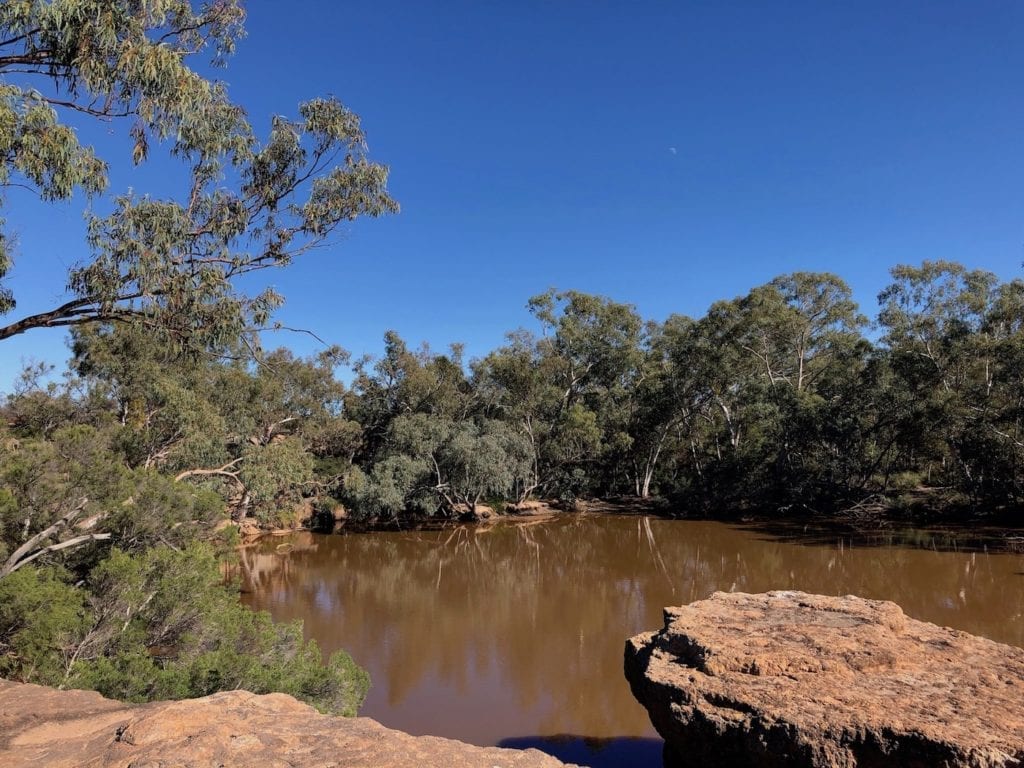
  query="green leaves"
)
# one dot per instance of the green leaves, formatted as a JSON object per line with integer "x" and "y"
{"x": 43, "y": 619}
{"x": 172, "y": 265}
{"x": 38, "y": 149}
{"x": 148, "y": 643}
{"x": 275, "y": 476}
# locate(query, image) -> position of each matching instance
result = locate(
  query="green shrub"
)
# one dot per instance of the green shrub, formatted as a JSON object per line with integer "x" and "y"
{"x": 161, "y": 624}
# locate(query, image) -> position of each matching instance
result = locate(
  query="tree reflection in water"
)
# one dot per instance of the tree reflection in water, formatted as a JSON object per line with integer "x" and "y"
{"x": 515, "y": 632}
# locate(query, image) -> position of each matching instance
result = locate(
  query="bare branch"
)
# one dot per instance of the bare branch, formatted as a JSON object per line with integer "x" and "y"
{"x": 21, "y": 555}
{"x": 43, "y": 535}
{"x": 223, "y": 471}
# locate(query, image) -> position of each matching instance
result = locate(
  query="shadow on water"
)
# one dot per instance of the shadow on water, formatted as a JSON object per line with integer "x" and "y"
{"x": 624, "y": 752}
{"x": 887, "y": 534}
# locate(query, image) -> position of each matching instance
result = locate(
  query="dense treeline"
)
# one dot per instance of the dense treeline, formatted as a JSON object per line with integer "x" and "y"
{"x": 775, "y": 400}
{"x": 119, "y": 481}
{"x": 772, "y": 401}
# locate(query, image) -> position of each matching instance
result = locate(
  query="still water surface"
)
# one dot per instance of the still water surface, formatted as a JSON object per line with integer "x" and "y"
{"x": 513, "y": 634}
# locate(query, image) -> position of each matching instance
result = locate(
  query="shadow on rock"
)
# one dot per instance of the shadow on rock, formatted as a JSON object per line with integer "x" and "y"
{"x": 621, "y": 752}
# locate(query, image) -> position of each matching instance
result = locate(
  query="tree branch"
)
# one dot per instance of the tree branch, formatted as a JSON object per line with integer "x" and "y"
{"x": 220, "y": 471}
{"x": 18, "y": 557}
{"x": 74, "y": 312}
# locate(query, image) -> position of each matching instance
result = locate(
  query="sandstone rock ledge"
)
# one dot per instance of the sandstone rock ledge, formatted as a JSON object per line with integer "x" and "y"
{"x": 791, "y": 679}
{"x": 80, "y": 729}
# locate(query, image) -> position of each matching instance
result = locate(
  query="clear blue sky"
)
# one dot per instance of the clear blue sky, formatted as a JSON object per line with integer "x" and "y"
{"x": 665, "y": 154}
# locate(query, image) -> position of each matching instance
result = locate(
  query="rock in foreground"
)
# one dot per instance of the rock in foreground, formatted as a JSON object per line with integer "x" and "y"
{"x": 81, "y": 729}
{"x": 791, "y": 679}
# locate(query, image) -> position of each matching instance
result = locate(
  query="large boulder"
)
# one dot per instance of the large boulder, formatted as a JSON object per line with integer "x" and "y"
{"x": 81, "y": 729}
{"x": 792, "y": 679}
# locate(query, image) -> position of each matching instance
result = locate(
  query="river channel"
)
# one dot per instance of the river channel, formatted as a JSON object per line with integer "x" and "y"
{"x": 512, "y": 634}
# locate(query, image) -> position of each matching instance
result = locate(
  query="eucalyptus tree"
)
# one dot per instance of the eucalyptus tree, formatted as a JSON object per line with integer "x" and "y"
{"x": 763, "y": 368}
{"x": 430, "y": 440}
{"x": 464, "y": 461}
{"x": 431, "y": 464}
{"x": 279, "y": 416}
{"x": 725, "y": 369}
{"x": 815, "y": 328}
{"x": 161, "y": 624}
{"x": 592, "y": 350}
{"x": 405, "y": 381}
{"x": 255, "y": 431}
{"x": 930, "y": 316}
{"x": 806, "y": 321}
{"x": 171, "y": 264}
{"x": 144, "y": 612}
{"x": 953, "y": 336}
{"x": 999, "y": 405}
{"x": 594, "y": 341}
{"x": 72, "y": 489}
{"x": 431, "y": 443}
{"x": 519, "y": 384}
{"x": 159, "y": 397}
{"x": 669, "y": 405}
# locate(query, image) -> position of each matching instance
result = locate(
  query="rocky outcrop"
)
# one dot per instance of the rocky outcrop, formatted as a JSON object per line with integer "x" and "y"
{"x": 791, "y": 679}
{"x": 81, "y": 729}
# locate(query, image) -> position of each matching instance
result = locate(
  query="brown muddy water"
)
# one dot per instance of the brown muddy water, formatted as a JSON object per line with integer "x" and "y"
{"x": 513, "y": 634}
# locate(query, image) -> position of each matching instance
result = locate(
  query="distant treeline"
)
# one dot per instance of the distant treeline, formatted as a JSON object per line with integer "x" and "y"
{"x": 776, "y": 400}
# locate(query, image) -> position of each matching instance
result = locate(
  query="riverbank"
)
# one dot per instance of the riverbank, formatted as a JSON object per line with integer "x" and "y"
{"x": 531, "y": 510}
{"x": 921, "y": 510}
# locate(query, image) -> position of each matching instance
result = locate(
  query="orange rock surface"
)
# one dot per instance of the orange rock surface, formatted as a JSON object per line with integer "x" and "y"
{"x": 792, "y": 679}
{"x": 81, "y": 729}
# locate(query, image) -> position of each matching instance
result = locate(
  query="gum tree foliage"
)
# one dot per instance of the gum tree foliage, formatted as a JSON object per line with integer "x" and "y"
{"x": 434, "y": 463}
{"x": 251, "y": 431}
{"x": 745, "y": 386}
{"x": 516, "y": 384}
{"x": 112, "y": 616}
{"x": 97, "y": 459}
{"x": 134, "y": 409}
{"x": 279, "y": 417}
{"x": 426, "y": 446}
{"x": 250, "y": 204}
{"x": 806, "y": 330}
{"x": 663, "y": 405}
{"x": 594, "y": 348}
{"x": 72, "y": 488}
{"x": 565, "y": 391}
{"x": 954, "y": 340}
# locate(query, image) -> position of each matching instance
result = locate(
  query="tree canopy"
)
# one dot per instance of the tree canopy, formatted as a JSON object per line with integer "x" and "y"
{"x": 251, "y": 203}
